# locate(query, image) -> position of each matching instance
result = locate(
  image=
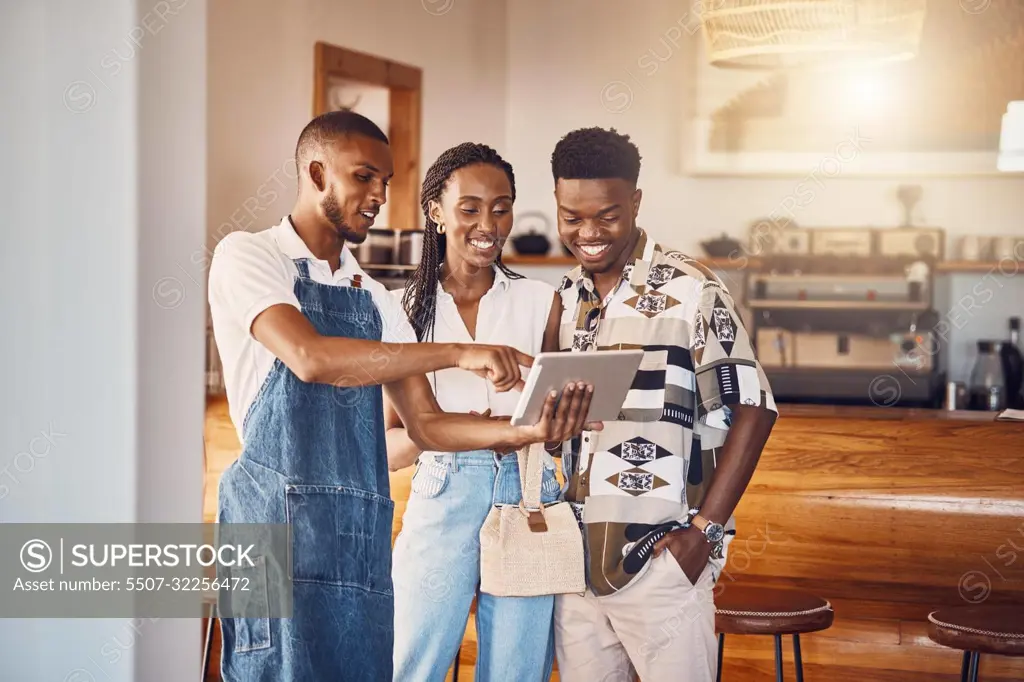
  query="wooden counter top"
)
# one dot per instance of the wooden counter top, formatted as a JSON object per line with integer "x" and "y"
{"x": 839, "y": 412}
{"x": 888, "y": 513}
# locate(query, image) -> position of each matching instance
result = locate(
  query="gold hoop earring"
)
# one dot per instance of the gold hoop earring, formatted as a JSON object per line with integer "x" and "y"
{"x": 440, "y": 229}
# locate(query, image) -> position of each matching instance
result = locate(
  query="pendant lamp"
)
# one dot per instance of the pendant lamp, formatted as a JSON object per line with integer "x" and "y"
{"x": 784, "y": 34}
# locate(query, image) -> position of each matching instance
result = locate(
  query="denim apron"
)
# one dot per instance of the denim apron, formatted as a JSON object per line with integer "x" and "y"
{"x": 315, "y": 457}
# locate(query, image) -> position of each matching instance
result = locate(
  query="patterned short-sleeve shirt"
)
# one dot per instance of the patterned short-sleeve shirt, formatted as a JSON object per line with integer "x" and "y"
{"x": 653, "y": 465}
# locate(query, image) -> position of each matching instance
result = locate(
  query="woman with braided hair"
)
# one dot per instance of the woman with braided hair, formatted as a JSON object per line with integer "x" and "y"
{"x": 462, "y": 293}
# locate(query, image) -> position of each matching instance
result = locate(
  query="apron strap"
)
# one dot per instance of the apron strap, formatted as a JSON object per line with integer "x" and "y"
{"x": 302, "y": 265}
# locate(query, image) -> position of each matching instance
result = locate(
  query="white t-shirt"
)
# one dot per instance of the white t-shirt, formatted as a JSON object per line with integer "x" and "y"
{"x": 513, "y": 313}
{"x": 252, "y": 271}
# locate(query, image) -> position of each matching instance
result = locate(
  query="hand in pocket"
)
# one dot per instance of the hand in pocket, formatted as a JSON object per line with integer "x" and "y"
{"x": 689, "y": 548}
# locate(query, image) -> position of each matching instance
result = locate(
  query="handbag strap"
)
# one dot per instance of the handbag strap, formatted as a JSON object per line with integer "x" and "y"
{"x": 531, "y": 474}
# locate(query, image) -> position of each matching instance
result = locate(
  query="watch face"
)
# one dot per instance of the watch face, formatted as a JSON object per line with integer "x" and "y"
{"x": 715, "y": 532}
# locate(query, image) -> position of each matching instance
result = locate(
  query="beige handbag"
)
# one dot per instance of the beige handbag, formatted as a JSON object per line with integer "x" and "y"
{"x": 528, "y": 550}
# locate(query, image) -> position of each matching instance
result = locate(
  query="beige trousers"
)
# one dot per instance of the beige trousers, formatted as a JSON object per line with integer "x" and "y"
{"x": 661, "y": 627}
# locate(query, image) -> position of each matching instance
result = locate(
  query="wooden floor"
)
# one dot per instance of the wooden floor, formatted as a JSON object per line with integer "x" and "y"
{"x": 883, "y": 524}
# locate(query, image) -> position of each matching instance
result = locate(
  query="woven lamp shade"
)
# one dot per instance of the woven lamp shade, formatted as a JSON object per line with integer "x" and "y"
{"x": 780, "y": 34}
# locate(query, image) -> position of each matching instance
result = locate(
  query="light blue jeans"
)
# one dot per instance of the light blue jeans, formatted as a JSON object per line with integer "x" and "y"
{"x": 436, "y": 573}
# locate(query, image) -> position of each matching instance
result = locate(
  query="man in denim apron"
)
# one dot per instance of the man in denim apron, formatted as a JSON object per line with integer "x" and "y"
{"x": 307, "y": 342}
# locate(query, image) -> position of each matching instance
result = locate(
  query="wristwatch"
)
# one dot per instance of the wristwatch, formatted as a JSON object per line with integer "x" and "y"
{"x": 713, "y": 532}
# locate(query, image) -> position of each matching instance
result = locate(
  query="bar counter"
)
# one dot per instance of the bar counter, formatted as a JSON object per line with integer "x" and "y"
{"x": 888, "y": 513}
{"x": 886, "y": 413}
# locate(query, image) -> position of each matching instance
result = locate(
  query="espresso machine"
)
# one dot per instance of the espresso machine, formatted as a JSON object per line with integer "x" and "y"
{"x": 846, "y": 316}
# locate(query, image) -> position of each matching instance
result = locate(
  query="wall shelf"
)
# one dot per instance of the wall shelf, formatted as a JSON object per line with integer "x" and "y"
{"x": 539, "y": 260}
{"x": 743, "y": 263}
{"x": 835, "y": 305}
{"x": 962, "y": 266}
{"x": 714, "y": 263}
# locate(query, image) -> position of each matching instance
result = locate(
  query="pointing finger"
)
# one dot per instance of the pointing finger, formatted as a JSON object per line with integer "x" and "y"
{"x": 511, "y": 371}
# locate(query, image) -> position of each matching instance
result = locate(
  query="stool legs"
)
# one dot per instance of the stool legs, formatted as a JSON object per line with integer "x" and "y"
{"x": 797, "y": 659}
{"x": 778, "y": 658}
{"x": 209, "y": 641}
{"x": 721, "y": 651}
{"x": 970, "y": 666}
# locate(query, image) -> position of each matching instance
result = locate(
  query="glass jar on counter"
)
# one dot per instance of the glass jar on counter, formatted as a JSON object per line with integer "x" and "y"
{"x": 988, "y": 384}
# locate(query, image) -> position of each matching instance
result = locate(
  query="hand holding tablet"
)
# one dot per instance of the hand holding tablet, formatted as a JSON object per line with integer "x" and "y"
{"x": 562, "y": 415}
{"x": 610, "y": 373}
{"x": 568, "y": 393}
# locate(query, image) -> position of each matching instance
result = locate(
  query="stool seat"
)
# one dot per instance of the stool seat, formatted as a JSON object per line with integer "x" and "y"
{"x": 765, "y": 611}
{"x": 983, "y": 629}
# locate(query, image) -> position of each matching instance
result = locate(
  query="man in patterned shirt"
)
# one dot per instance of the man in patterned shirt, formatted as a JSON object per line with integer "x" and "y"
{"x": 669, "y": 473}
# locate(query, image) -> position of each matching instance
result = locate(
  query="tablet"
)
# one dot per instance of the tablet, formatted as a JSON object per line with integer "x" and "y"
{"x": 611, "y": 373}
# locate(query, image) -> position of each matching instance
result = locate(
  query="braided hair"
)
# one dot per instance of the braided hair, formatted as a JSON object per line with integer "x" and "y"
{"x": 420, "y": 298}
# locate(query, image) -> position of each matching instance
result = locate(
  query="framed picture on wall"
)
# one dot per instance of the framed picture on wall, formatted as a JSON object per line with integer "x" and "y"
{"x": 938, "y": 114}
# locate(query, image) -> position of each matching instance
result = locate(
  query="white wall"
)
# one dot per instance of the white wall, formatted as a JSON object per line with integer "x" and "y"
{"x": 261, "y": 87}
{"x": 518, "y": 75}
{"x": 577, "y": 63}
{"x": 103, "y": 193}
{"x": 562, "y": 78}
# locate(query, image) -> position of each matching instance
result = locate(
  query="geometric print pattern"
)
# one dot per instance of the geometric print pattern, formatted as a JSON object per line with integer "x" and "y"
{"x": 652, "y": 303}
{"x": 639, "y": 450}
{"x": 685, "y": 320}
{"x": 724, "y": 325}
{"x": 636, "y": 481}
{"x": 700, "y": 335}
{"x": 663, "y": 274}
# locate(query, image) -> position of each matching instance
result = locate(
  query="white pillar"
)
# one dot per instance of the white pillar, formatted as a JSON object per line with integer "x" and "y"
{"x": 102, "y": 189}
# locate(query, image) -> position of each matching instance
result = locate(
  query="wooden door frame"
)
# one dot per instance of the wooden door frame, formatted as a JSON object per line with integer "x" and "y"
{"x": 404, "y": 83}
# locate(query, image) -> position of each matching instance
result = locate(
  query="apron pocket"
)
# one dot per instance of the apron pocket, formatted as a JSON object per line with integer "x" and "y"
{"x": 249, "y": 597}
{"x": 340, "y": 536}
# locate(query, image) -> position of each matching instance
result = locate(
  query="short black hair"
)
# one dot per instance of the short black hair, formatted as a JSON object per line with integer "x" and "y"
{"x": 328, "y": 127}
{"x": 595, "y": 154}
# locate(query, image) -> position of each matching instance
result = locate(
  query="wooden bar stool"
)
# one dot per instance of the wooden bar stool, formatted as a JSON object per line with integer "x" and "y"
{"x": 210, "y": 603}
{"x": 978, "y": 630}
{"x": 762, "y": 611}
